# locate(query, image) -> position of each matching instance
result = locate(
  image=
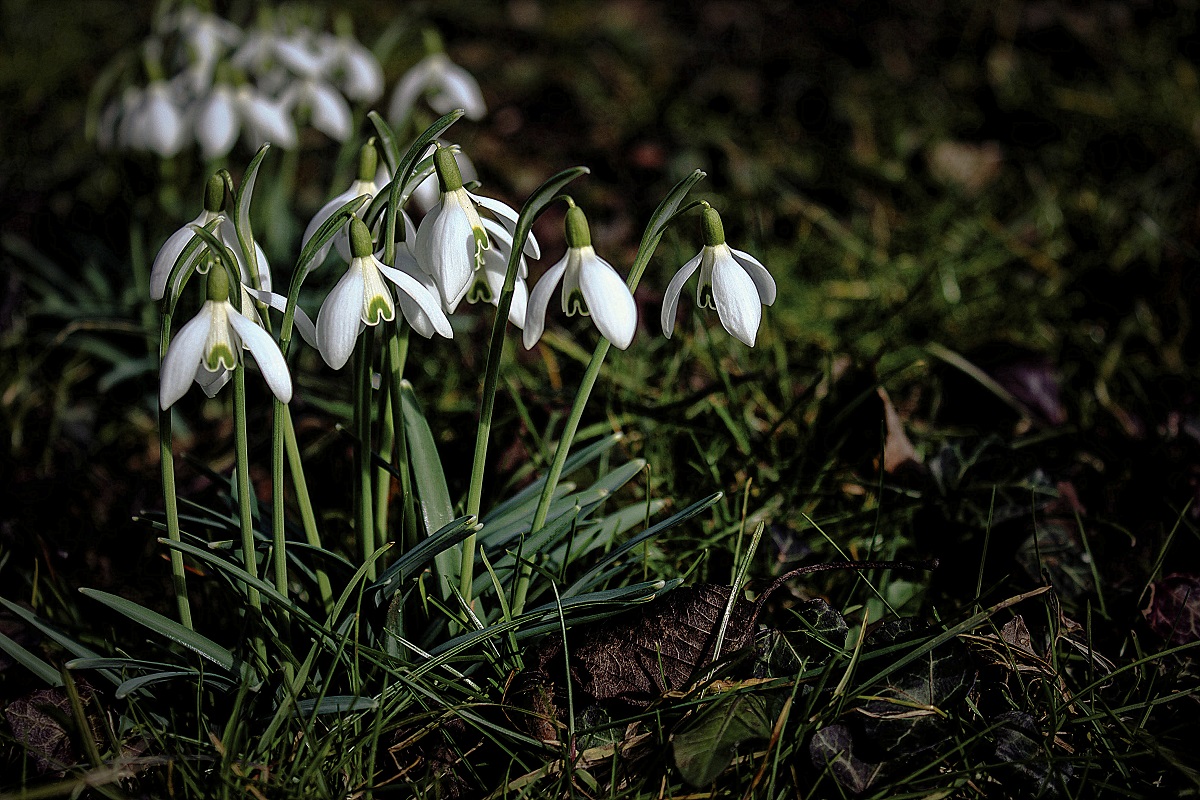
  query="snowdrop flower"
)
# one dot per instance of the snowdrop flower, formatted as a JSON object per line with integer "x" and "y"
{"x": 736, "y": 284}
{"x": 352, "y": 66}
{"x": 217, "y": 122}
{"x": 266, "y": 120}
{"x": 446, "y": 85}
{"x": 154, "y": 121}
{"x": 205, "y": 36}
{"x": 361, "y": 298}
{"x": 488, "y": 282}
{"x": 364, "y": 184}
{"x": 168, "y": 254}
{"x": 452, "y": 239}
{"x": 590, "y": 287}
{"x": 330, "y": 111}
{"x": 208, "y": 346}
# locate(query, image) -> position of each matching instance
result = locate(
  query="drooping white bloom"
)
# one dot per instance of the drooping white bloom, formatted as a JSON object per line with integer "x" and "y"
{"x": 217, "y": 122}
{"x": 168, "y": 254}
{"x": 488, "y": 282}
{"x": 361, "y": 298}
{"x": 154, "y": 122}
{"x": 329, "y": 110}
{"x": 209, "y": 345}
{"x": 451, "y": 239}
{"x": 735, "y": 283}
{"x": 590, "y": 286}
{"x": 446, "y": 85}
{"x": 352, "y": 67}
{"x": 265, "y": 119}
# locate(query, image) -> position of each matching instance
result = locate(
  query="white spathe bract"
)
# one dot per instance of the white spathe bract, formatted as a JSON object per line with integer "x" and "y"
{"x": 208, "y": 346}
{"x": 733, "y": 282}
{"x": 446, "y": 85}
{"x": 590, "y": 286}
{"x": 361, "y": 298}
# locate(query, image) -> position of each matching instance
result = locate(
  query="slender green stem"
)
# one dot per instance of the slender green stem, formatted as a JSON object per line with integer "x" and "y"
{"x": 537, "y": 203}
{"x": 397, "y": 358}
{"x": 167, "y": 465}
{"x": 245, "y": 495}
{"x": 278, "y": 533}
{"x": 362, "y": 428}
{"x": 387, "y": 446}
{"x": 307, "y": 516}
{"x": 572, "y": 425}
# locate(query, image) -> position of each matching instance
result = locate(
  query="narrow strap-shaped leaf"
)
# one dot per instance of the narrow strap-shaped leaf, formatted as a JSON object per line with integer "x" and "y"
{"x": 327, "y": 230}
{"x": 220, "y": 682}
{"x": 432, "y": 492}
{"x": 340, "y": 704}
{"x": 30, "y": 661}
{"x": 587, "y": 580}
{"x": 407, "y": 565}
{"x": 198, "y": 644}
{"x": 666, "y": 208}
{"x": 66, "y": 642}
{"x": 580, "y": 459}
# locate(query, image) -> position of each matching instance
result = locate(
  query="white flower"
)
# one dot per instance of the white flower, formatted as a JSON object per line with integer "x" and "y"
{"x": 168, "y": 254}
{"x": 361, "y": 298}
{"x": 735, "y": 283}
{"x": 266, "y": 120}
{"x": 352, "y": 67}
{"x": 489, "y": 279}
{"x": 590, "y": 286}
{"x": 208, "y": 346}
{"x": 447, "y": 86}
{"x": 217, "y": 122}
{"x": 452, "y": 239}
{"x": 153, "y": 121}
{"x": 367, "y": 183}
{"x": 330, "y": 111}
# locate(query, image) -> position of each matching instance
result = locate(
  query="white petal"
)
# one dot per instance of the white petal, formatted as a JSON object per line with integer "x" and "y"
{"x": 168, "y": 254}
{"x": 330, "y": 111}
{"x": 300, "y": 319}
{"x": 296, "y": 56}
{"x": 421, "y": 322}
{"x": 508, "y": 217}
{"x": 267, "y": 120}
{"x": 163, "y": 131}
{"x": 266, "y": 354}
{"x": 407, "y": 91}
{"x": 340, "y": 319}
{"x": 319, "y": 219}
{"x": 211, "y": 382}
{"x": 364, "y": 75}
{"x": 184, "y": 354}
{"x": 446, "y": 250}
{"x": 458, "y": 89}
{"x": 737, "y": 300}
{"x": 427, "y": 194}
{"x": 609, "y": 301}
{"x": 758, "y": 273}
{"x": 428, "y": 304}
{"x": 674, "y": 288}
{"x": 520, "y": 297}
{"x": 217, "y": 124}
{"x": 539, "y": 299}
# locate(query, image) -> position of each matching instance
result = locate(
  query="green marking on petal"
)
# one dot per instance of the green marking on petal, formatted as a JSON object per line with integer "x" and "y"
{"x": 377, "y": 310}
{"x": 706, "y": 297}
{"x": 576, "y": 304}
{"x": 220, "y": 356}
{"x": 481, "y": 244}
{"x": 479, "y": 292}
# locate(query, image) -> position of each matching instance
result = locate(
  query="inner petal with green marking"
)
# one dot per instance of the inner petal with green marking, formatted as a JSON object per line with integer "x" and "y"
{"x": 377, "y": 298}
